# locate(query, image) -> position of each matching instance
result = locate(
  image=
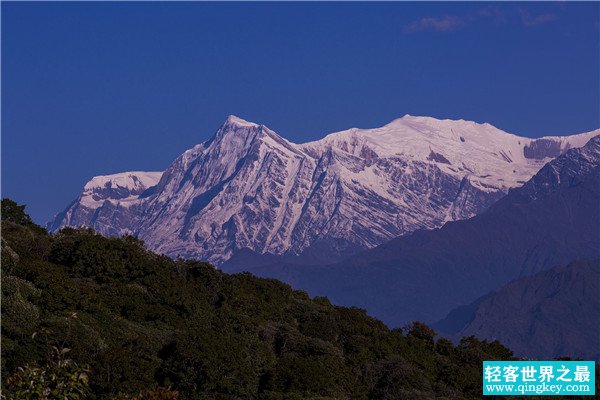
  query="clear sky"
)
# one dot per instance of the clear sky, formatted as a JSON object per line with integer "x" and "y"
{"x": 98, "y": 88}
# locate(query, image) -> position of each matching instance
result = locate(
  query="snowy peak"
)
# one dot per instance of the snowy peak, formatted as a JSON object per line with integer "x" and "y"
{"x": 492, "y": 158}
{"x": 135, "y": 181}
{"x": 109, "y": 203}
{"x": 239, "y": 134}
{"x": 248, "y": 187}
{"x": 125, "y": 185}
{"x": 233, "y": 120}
{"x": 232, "y": 129}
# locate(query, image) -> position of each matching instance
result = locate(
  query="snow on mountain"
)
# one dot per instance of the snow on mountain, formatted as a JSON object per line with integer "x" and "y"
{"x": 108, "y": 202}
{"x": 248, "y": 187}
{"x": 551, "y": 220}
{"x": 482, "y": 150}
{"x": 120, "y": 188}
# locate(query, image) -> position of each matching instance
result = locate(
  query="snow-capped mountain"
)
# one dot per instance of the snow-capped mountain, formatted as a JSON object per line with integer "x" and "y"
{"x": 109, "y": 203}
{"x": 248, "y": 187}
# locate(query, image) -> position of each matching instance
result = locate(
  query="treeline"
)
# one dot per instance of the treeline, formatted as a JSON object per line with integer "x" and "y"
{"x": 85, "y": 316}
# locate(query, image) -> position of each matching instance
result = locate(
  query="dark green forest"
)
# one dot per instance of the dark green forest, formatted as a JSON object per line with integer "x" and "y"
{"x": 90, "y": 317}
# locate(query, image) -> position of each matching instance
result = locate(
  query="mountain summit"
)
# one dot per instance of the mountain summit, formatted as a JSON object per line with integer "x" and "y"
{"x": 249, "y": 188}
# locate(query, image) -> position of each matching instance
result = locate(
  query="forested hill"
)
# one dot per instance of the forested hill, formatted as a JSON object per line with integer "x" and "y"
{"x": 113, "y": 320}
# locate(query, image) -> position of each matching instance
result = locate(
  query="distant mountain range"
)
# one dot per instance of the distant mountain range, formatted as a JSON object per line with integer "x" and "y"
{"x": 249, "y": 191}
{"x": 552, "y": 313}
{"x": 550, "y": 221}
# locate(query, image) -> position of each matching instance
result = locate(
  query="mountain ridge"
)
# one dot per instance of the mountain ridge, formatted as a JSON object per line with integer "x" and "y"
{"x": 248, "y": 187}
{"x": 551, "y": 220}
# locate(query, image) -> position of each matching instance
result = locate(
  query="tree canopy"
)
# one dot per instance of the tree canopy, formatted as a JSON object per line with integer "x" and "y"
{"x": 136, "y": 322}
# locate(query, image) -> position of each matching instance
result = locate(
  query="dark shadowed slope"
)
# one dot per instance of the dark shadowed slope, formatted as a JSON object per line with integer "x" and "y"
{"x": 552, "y": 313}
{"x": 551, "y": 220}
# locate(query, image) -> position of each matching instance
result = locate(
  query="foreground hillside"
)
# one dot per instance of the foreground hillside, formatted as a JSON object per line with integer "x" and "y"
{"x": 134, "y": 320}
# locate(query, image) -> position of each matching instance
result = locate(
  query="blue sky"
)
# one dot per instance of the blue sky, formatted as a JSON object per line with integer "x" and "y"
{"x": 99, "y": 88}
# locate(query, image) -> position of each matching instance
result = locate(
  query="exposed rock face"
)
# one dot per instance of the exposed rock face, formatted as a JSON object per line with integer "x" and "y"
{"x": 542, "y": 148}
{"x": 249, "y": 188}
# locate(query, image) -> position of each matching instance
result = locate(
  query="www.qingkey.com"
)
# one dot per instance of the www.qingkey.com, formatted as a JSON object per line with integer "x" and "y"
{"x": 538, "y": 388}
